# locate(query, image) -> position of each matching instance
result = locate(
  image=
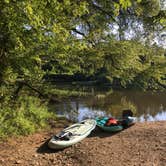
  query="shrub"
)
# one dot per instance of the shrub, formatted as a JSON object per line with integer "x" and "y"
{"x": 26, "y": 116}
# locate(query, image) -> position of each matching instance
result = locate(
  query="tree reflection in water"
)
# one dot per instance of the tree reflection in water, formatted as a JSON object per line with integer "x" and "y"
{"x": 147, "y": 106}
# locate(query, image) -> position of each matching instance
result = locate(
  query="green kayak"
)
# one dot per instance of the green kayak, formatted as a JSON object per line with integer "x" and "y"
{"x": 101, "y": 123}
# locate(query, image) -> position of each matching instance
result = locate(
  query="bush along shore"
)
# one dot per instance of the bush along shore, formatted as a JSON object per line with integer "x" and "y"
{"x": 25, "y": 116}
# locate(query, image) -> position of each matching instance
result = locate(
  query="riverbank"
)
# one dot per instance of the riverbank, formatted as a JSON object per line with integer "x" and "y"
{"x": 142, "y": 144}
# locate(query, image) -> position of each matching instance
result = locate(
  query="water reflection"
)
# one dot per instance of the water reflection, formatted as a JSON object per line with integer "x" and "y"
{"x": 159, "y": 117}
{"x": 147, "y": 106}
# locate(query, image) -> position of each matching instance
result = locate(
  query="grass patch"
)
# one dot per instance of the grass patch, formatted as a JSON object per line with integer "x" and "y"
{"x": 61, "y": 93}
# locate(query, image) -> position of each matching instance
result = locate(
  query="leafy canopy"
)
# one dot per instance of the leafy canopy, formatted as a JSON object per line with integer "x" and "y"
{"x": 69, "y": 33}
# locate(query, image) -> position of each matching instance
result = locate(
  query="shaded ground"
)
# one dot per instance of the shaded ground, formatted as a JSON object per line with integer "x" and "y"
{"x": 143, "y": 144}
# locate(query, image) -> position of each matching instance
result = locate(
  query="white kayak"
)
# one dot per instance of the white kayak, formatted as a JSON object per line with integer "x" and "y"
{"x": 72, "y": 134}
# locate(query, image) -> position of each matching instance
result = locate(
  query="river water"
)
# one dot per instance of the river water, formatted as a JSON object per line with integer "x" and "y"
{"x": 147, "y": 106}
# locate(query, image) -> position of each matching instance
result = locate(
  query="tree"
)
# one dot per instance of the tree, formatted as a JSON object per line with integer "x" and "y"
{"x": 68, "y": 32}
{"x": 31, "y": 33}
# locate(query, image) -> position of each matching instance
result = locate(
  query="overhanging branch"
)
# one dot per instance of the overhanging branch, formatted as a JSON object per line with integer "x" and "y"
{"x": 80, "y": 33}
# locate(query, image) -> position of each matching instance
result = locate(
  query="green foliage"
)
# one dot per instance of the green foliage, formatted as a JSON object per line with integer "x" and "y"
{"x": 32, "y": 33}
{"x": 126, "y": 60}
{"x": 74, "y": 37}
{"x": 125, "y": 3}
{"x": 36, "y": 33}
{"x": 26, "y": 116}
{"x": 148, "y": 8}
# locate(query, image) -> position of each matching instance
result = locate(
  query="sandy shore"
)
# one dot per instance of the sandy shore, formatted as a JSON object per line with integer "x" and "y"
{"x": 143, "y": 144}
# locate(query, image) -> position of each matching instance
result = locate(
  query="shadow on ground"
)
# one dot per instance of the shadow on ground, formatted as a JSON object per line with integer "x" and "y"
{"x": 45, "y": 149}
{"x": 97, "y": 132}
{"x": 101, "y": 134}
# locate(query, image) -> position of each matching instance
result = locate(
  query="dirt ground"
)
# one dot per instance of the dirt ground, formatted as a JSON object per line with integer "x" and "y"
{"x": 143, "y": 144}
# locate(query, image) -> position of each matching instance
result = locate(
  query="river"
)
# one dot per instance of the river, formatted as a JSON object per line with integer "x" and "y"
{"x": 147, "y": 106}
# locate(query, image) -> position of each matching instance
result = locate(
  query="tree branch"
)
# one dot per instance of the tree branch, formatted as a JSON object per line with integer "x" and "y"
{"x": 80, "y": 33}
{"x": 22, "y": 83}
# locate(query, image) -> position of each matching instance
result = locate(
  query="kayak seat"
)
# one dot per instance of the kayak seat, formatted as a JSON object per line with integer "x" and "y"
{"x": 63, "y": 136}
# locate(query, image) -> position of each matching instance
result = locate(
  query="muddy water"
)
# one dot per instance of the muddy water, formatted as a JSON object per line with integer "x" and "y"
{"x": 147, "y": 106}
